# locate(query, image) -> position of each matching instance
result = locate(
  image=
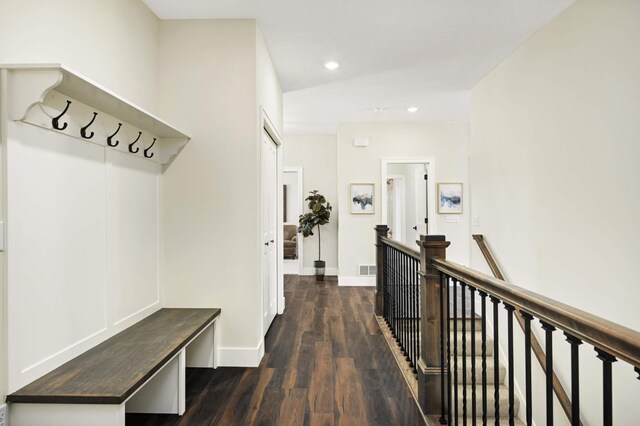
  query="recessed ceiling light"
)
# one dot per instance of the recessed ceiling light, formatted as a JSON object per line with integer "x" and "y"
{"x": 331, "y": 65}
{"x": 378, "y": 109}
{"x": 412, "y": 109}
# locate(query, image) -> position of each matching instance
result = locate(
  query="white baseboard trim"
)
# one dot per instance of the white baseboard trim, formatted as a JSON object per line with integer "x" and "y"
{"x": 345, "y": 281}
{"x": 290, "y": 267}
{"x": 241, "y": 357}
{"x": 327, "y": 271}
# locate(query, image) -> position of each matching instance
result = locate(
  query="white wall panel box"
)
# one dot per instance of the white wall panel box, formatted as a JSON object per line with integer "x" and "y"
{"x": 361, "y": 142}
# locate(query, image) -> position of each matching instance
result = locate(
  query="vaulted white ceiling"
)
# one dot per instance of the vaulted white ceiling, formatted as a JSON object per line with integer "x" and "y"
{"x": 392, "y": 53}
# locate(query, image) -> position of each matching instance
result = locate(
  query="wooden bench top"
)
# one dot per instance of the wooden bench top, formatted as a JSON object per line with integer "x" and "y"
{"x": 110, "y": 372}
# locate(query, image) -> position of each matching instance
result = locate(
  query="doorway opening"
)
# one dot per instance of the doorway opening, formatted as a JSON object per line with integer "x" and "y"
{"x": 408, "y": 198}
{"x": 292, "y": 190}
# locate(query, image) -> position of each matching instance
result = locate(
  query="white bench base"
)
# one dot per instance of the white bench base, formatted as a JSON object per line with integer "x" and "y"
{"x": 67, "y": 415}
{"x": 163, "y": 393}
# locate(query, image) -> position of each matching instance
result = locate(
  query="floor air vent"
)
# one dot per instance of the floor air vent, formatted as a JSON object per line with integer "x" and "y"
{"x": 367, "y": 270}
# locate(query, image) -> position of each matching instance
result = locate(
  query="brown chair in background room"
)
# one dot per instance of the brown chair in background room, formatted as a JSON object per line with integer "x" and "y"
{"x": 290, "y": 241}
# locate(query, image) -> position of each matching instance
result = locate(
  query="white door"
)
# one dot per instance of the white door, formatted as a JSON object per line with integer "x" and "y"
{"x": 269, "y": 230}
{"x": 396, "y": 207}
{"x": 420, "y": 225}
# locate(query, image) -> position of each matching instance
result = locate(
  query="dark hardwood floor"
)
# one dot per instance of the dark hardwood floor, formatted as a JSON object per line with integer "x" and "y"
{"x": 326, "y": 363}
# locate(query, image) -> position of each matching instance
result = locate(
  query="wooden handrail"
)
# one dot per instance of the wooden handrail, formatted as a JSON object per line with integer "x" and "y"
{"x": 401, "y": 247}
{"x": 616, "y": 339}
{"x": 563, "y": 398}
{"x": 488, "y": 257}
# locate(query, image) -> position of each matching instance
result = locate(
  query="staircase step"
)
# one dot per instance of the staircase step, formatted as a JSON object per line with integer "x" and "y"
{"x": 502, "y": 371}
{"x": 478, "y": 344}
{"x": 467, "y": 322}
{"x": 503, "y": 399}
{"x": 490, "y": 421}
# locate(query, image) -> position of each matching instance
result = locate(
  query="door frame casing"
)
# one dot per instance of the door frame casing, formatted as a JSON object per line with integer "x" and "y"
{"x": 419, "y": 174}
{"x": 300, "y": 200}
{"x": 268, "y": 126}
{"x": 431, "y": 185}
{"x": 403, "y": 204}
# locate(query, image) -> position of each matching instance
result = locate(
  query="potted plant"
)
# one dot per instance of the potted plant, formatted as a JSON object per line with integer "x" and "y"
{"x": 318, "y": 215}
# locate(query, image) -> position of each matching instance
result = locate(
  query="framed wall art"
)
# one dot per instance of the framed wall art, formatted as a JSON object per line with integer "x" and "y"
{"x": 449, "y": 198}
{"x": 362, "y": 198}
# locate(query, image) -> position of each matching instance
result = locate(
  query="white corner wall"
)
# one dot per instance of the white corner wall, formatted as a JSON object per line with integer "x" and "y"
{"x": 113, "y": 42}
{"x": 82, "y": 247}
{"x": 446, "y": 143}
{"x": 210, "y": 75}
{"x": 555, "y": 139}
{"x": 317, "y": 156}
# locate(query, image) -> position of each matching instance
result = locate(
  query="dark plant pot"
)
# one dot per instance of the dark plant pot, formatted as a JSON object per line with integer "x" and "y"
{"x": 319, "y": 265}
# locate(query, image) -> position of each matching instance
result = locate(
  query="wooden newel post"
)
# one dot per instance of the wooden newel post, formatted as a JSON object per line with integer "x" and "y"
{"x": 381, "y": 231}
{"x": 430, "y": 362}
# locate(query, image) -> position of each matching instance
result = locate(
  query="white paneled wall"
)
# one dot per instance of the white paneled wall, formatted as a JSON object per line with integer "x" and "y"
{"x": 132, "y": 235}
{"x": 82, "y": 248}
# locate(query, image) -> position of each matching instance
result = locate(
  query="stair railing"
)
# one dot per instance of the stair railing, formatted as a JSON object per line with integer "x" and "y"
{"x": 558, "y": 389}
{"x": 611, "y": 341}
{"x": 398, "y": 298}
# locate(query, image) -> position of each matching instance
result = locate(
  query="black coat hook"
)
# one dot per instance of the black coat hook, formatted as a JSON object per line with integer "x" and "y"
{"x": 146, "y": 151}
{"x": 131, "y": 150}
{"x": 83, "y": 131}
{"x": 56, "y": 120}
{"x": 111, "y": 137}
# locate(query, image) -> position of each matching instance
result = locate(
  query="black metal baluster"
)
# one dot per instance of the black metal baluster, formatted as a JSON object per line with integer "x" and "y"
{"x": 483, "y": 350}
{"x": 389, "y": 285}
{"x": 412, "y": 328}
{"x": 496, "y": 362}
{"x": 607, "y": 383}
{"x": 419, "y": 316}
{"x": 406, "y": 309}
{"x": 455, "y": 350}
{"x": 405, "y": 303}
{"x": 548, "y": 348}
{"x": 449, "y": 384}
{"x": 384, "y": 281}
{"x": 527, "y": 362}
{"x": 414, "y": 314}
{"x": 463, "y": 292}
{"x": 401, "y": 323}
{"x": 442, "y": 355}
{"x": 405, "y": 298}
{"x": 391, "y": 289}
{"x": 392, "y": 283}
{"x": 472, "y": 291}
{"x": 510, "y": 310}
{"x": 399, "y": 296}
{"x": 416, "y": 321}
{"x": 575, "y": 378}
{"x": 394, "y": 290}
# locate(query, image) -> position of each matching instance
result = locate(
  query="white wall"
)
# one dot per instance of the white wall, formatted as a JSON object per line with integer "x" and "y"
{"x": 290, "y": 180}
{"x": 269, "y": 92}
{"x": 82, "y": 252}
{"x": 555, "y": 144}
{"x": 112, "y": 42}
{"x": 211, "y": 192}
{"x": 318, "y": 158}
{"x": 447, "y": 143}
